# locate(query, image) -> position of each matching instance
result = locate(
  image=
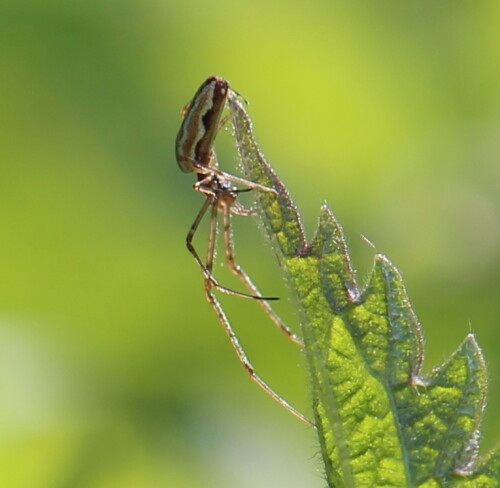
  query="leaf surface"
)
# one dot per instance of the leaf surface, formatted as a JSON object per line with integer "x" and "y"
{"x": 380, "y": 422}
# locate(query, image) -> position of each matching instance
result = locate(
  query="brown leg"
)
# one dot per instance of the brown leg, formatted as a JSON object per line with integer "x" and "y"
{"x": 242, "y": 275}
{"x": 209, "y": 278}
{"x": 207, "y": 170}
{"x": 244, "y": 360}
{"x": 238, "y": 209}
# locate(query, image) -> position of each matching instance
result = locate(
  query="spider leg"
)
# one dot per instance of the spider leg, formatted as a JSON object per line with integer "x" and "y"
{"x": 205, "y": 169}
{"x": 240, "y": 352}
{"x": 243, "y": 276}
{"x": 238, "y": 209}
{"x": 211, "y": 201}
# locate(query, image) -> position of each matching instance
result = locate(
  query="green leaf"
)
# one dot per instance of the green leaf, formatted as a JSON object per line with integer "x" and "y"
{"x": 380, "y": 422}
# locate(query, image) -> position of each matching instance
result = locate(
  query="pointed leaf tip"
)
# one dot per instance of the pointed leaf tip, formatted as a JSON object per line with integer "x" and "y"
{"x": 380, "y": 424}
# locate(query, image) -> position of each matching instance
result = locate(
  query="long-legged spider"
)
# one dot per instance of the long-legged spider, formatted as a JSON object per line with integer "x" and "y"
{"x": 195, "y": 154}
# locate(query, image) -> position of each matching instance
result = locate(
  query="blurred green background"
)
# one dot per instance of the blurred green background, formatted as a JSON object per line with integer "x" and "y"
{"x": 114, "y": 371}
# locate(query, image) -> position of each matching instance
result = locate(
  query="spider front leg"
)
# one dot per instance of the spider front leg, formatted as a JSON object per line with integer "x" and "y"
{"x": 206, "y": 169}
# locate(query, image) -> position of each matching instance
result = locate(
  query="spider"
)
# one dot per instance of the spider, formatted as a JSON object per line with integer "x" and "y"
{"x": 202, "y": 119}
